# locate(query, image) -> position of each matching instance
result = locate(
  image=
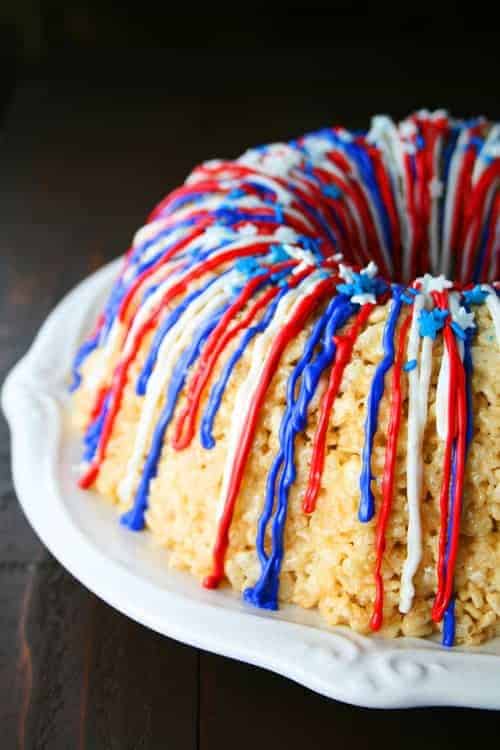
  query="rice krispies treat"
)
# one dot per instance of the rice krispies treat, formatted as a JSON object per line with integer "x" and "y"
{"x": 329, "y": 556}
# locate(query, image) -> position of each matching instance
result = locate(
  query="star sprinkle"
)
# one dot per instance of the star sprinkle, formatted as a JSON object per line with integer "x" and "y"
{"x": 248, "y": 267}
{"x": 430, "y": 283}
{"x": 305, "y": 256}
{"x": 277, "y": 254}
{"x": 431, "y": 322}
{"x": 475, "y": 296}
{"x": 462, "y": 321}
{"x": 361, "y": 287}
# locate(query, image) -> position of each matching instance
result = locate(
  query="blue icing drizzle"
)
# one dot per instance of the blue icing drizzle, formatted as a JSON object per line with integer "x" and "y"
{"x": 228, "y": 215}
{"x": 332, "y": 191}
{"x": 166, "y": 326}
{"x": 309, "y": 347}
{"x": 318, "y": 216}
{"x": 449, "y": 615}
{"x": 217, "y": 391}
{"x": 110, "y": 310}
{"x": 367, "y": 502}
{"x": 449, "y": 624}
{"x": 367, "y": 174}
{"x": 117, "y": 295}
{"x": 407, "y": 296}
{"x": 265, "y": 592}
{"x": 447, "y": 155}
{"x": 469, "y": 369}
{"x": 339, "y": 225}
{"x": 236, "y": 193}
{"x": 266, "y": 192}
{"x": 312, "y": 244}
{"x": 365, "y": 165}
{"x": 183, "y": 200}
{"x": 247, "y": 266}
{"x": 458, "y": 330}
{"x": 93, "y": 433}
{"x": 95, "y": 429}
{"x": 83, "y": 352}
{"x": 479, "y": 258}
{"x": 134, "y": 518}
{"x": 165, "y": 233}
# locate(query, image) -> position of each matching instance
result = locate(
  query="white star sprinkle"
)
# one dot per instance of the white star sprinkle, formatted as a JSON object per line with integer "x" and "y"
{"x": 463, "y": 318}
{"x": 434, "y": 283}
{"x": 346, "y": 273}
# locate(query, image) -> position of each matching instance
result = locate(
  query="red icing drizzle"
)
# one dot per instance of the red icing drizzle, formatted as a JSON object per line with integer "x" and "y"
{"x": 197, "y": 232}
{"x": 473, "y": 216}
{"x": 345, "y": 344}
{"x": 218, "y": 340}
{"x": 457, "y": 430}
{"x": 357, "y": 196}
{"x": 283, "y": 338}
{"x": 389, "y": 473}
{"x": 121, "y": 371}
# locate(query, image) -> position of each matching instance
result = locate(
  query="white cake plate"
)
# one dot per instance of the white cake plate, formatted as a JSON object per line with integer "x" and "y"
{"x": 130, "y": 573}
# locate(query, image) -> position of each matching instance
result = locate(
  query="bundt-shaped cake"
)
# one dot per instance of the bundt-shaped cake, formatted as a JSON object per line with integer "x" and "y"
{"x": 295, "y": 381}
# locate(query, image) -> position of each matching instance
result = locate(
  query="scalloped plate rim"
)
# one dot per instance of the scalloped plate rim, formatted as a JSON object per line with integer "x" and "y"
{"x": 336, "y": 662}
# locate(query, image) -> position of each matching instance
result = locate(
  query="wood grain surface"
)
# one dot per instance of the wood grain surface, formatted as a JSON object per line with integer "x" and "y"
{"x": 84, "y": 156}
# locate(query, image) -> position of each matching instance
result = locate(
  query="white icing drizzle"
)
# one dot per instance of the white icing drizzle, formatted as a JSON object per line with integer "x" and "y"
{"x": 419, "y": 349}
{"x": 384, "y": 134}
{"x": 490, "y": 148}
{"x": 443, "y": 384}
{"x": 212, "y": 202}
{"x": 172, "y": 346}
{"x": 442, "y": 396}
{"x": 416, "y": 425}
{"x": 248, "y": 387}
{"x": 162, "y": 244}
{"x": 146, "y": 307}
{"x": 119, "y": 330}
{"x": 436, "y": 193}
{"x": 150, "y": 230}
{"x": 493, "y": 306}
{"x": 353, "y": 211}
{"x": 278, "y": 159}
{"x": 450, "y": 200}
{"x": 373, "y": 211}
{"x": 96, "y": 375}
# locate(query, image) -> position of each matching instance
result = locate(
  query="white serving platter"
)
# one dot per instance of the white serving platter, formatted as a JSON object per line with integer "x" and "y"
{"x": 131, "y": 574}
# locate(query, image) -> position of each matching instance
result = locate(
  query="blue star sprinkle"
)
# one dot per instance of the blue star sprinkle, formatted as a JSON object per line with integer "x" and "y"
{"x": 431, "y": 322}
{"x": 475, "y": 296}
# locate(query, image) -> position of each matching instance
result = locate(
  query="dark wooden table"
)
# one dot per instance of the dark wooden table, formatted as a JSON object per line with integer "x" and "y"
{"x": 83, "y": 157}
